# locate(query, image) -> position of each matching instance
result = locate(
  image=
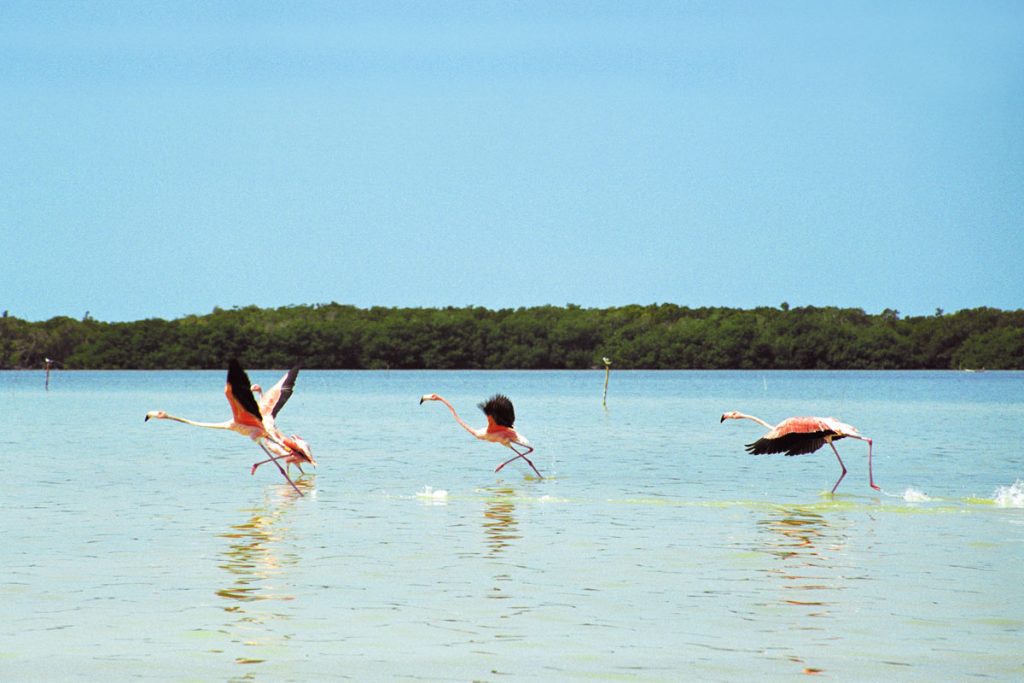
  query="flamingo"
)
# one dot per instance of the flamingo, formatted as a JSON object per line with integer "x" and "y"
{"x": 799, "y": 435}
{"x": 246, "y": 419}
{"x": 271, "y": 402}
{"x": 500, "y": 418}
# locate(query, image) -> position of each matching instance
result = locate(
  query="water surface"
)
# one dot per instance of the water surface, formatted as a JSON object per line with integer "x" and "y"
{"x": 655, "y": 550}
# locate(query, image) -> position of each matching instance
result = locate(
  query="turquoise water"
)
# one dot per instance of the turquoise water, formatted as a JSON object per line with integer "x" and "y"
{"x": 655, "y": 550}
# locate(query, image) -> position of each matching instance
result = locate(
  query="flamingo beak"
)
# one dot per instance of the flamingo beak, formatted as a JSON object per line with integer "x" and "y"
{"x": 722, "y": 420}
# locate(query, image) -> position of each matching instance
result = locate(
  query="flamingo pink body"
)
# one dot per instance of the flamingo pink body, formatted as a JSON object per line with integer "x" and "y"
{"x": 499, "y": 429}
{"x": 800, "y": 435}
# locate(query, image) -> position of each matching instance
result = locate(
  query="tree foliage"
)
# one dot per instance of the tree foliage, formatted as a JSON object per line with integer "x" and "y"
{"x": 655, "y": 336}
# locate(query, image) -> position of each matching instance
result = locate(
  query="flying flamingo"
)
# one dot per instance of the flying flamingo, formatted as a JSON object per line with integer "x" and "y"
{"x": 500, "y": 418}
{"x": 271, "y": 402}
{"x": 246, "y": 419}
{"x": 799, "y": 435}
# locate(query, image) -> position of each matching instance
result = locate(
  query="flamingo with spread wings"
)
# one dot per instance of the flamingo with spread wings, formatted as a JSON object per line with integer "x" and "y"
{"x": 246, "y": 418}
{"x": 501, "y": 417}
{"x": 800, "y": 435}
{"x": 271, "y": 402}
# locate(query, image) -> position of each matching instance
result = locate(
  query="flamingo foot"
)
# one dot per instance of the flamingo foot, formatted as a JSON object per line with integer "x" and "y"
{"x": 539, "y": 475}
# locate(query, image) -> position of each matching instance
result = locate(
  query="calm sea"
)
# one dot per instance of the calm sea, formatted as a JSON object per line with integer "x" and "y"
{"x": 655, "y": 550}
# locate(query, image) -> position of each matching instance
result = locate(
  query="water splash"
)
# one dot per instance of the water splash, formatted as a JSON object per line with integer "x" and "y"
{"x": 429, "y": 495}
{"x": 1010, "y": 496}
{"x": 912, "y": 495}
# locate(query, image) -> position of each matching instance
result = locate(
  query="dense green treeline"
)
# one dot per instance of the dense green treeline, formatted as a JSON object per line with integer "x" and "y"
{"x": 655, "y": 336}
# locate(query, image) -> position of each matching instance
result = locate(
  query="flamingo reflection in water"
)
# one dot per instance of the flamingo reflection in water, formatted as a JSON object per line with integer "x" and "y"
{"x": 258, "y": 560}
{"x": 500, "y": 525}
{"x": 501, "y": 530}
{"x": 806, "y": 546}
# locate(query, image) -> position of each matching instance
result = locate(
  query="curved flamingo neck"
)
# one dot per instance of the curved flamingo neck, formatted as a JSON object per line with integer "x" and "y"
{"x": 457, "y": 418}
{"x": 755, "y": 419}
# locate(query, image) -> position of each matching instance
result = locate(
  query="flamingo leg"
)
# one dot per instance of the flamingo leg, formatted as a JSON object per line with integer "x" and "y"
{"x": 264, "y": 462}
{"x": 871, "y": 475}
{"x": 272, "y": 458}
{"x": 840, "y": 464}
{"x": 523, "y": 456}
{"x": 281, "y": 469}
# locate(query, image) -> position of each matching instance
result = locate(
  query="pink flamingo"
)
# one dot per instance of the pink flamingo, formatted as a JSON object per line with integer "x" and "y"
{"x": 799, "y": 435}
{"x": 501, "y": 417}
{"x": 246, "y": 417}
{"x": 271, "y": 402}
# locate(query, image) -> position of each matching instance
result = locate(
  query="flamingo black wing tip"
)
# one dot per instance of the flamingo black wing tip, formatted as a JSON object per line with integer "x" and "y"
{"x": 241, "y": 388}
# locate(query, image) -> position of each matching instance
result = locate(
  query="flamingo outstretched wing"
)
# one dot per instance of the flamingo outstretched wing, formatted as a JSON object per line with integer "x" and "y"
{"x": 239, "y": 394}
{"x": 791, "y": 444}
{"x": 797, "y": 436}
{"x": 499, "y": 411}
{"x": 274, "y": 399}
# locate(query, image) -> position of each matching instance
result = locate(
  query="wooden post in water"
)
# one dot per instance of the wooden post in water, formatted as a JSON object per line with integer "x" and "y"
{"x": 607, "y": 372}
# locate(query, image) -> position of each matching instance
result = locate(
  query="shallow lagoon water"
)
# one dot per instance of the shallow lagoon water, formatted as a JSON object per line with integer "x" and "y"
{"x": 655, "y": 550}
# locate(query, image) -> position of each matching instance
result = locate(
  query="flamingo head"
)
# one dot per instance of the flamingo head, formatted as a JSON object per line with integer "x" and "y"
{"x": 731, "y": 415}
{"x": 158, "y": 414}
{"x": 429, "y": 397}
{"x": 301, "y": 447}
{"x": 256, "y": 389}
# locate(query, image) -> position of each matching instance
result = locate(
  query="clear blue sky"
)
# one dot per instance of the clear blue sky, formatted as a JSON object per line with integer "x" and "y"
{"x": 160, "y": 159}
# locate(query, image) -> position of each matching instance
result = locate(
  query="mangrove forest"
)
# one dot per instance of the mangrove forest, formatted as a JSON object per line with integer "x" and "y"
{"x": 658, "y": 336}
